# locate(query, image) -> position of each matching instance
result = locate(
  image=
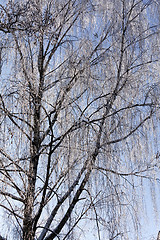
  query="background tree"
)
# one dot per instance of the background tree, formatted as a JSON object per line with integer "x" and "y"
{"x": 79, "y": 96}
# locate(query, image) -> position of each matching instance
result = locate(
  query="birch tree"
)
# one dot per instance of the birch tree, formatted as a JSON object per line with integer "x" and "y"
{"x": 79, "y": 95}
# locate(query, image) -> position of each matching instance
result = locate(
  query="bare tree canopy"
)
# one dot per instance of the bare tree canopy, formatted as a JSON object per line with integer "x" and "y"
{"x": 79, "y": 115}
